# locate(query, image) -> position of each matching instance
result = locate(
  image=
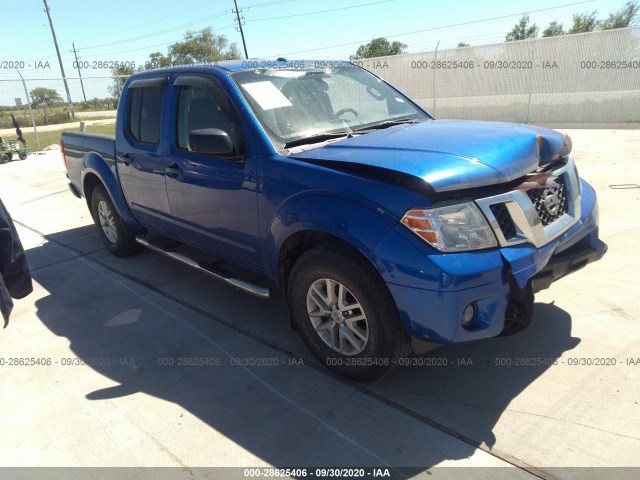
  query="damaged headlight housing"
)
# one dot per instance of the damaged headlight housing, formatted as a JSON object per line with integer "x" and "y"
{"x": 452, "y": 228}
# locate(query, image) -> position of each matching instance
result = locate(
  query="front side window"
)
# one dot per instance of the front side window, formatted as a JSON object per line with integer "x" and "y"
{"x": 144, "y": 114}
{"x": 294, "y": 103}
{"x": 200, "y": 108}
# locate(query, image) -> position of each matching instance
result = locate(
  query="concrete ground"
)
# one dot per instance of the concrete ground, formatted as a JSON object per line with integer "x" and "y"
{"x": 109, "y": 335}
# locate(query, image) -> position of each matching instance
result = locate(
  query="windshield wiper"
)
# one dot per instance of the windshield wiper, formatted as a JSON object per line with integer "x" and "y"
{"x": 317, "y": 138}
{"x": 387, "y": 124}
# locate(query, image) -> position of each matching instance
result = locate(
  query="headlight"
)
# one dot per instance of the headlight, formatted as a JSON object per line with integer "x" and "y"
{"x": 454, "y": 228}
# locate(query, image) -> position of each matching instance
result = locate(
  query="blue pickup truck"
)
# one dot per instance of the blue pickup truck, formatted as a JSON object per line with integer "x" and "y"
{"x": 382, "y": 225}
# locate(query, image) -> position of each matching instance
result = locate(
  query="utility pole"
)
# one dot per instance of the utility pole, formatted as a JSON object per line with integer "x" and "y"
{"x": 64, "y": 77}
{"x": 75, "y": 53}
{"x": 239, "y": 27}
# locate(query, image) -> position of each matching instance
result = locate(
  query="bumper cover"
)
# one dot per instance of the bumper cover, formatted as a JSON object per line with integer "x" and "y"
{"x": 432, "y": 290}
{"x": 587, "y": 250}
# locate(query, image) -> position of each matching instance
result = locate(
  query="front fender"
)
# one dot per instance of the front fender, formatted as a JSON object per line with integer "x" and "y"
{"x": 360, "y": 225}
{"x": 95, "y": 165}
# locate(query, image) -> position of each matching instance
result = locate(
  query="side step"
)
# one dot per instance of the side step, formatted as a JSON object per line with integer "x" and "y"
{"x": 225, "y": 277}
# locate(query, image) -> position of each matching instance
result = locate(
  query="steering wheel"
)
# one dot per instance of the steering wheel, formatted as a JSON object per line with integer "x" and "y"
{"x": 342, "y": 111}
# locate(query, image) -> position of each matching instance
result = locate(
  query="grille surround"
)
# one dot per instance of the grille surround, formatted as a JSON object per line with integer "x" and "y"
{"x": 527, "y": 215}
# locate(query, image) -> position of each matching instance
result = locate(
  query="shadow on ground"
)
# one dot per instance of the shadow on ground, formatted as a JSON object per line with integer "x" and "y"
{"x": 462, "y": 389}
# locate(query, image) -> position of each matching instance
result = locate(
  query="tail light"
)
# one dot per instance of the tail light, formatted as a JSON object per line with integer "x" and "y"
{"x": 64, "y": 157}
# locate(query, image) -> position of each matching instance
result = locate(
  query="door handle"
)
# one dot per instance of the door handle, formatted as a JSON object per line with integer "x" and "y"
{"x": 173, "y": 170}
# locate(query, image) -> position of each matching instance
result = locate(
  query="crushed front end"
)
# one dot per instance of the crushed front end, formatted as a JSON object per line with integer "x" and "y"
{"x": 545, "y": 228}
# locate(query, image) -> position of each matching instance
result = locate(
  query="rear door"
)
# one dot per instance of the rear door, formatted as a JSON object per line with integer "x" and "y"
{"x": 140, "y": 154}
{"x": 213, "y": 199}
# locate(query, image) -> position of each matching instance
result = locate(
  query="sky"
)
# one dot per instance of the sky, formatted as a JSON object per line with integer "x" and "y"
{"x": 128, "y": 30}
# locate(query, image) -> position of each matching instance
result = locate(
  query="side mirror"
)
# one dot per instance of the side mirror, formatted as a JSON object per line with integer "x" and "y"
{"x": 211, "y": 141}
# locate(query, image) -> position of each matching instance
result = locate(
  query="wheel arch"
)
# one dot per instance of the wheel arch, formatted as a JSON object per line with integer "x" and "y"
{"x": 95, "y": 171}
{"x": 301, "y": 242}
{"x": 311, "y": 220}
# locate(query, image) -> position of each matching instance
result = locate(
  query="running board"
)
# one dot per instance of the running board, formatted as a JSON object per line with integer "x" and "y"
{"x": 227, "y": 278}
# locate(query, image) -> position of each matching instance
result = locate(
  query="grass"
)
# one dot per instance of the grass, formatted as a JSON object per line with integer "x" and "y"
{"x": 48, "y": 138}
{"x": 56, "y": 115}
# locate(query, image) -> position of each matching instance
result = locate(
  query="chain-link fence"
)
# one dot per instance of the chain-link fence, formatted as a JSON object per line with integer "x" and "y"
{"x": 591, "y": 78}
{"x": 582, "y": 78}
{"x": 92, "y": 97}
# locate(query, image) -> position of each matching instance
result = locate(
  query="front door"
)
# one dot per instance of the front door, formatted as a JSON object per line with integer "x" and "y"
{"x": 213, "y": 198}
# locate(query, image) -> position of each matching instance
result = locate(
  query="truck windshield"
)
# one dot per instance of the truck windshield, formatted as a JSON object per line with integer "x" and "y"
{"x": 295, "y": 104}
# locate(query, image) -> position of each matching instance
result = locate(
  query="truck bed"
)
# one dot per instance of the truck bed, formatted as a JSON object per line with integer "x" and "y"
{"x": 78, "y": 144}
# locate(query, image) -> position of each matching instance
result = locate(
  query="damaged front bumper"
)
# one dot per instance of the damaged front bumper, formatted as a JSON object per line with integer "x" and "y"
{"x": 435, "y": 293}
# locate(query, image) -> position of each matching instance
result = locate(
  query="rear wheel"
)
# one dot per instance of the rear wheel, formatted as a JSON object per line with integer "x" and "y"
{"x": 22, "y": 155}
{"x": 116, "y": 236}
{"x": 10, "y": 155}
{"x": 345, "y": 314}
{"x": 4, "y": 158}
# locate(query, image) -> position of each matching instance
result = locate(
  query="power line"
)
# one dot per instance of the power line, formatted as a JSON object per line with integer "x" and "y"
{"x": 190, "y": 23}
{"x": 160, "y": 32}
{"x": 129, "y": 50}
{"x": 148, "y": 22}
{"x": 321, "y": 11}
{"x": 149, "y": 46}
{"x": 267, "y": 4}
{"x": 257, "y": 5}
{"x": 437, "y": 28}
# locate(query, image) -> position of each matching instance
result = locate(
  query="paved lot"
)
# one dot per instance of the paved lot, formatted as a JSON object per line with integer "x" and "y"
{"x": 109, "y": 326}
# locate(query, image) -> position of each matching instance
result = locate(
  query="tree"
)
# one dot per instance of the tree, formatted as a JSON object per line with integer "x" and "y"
{"x": 379, "y": 47}
{"x": 202, "y": 46}
{"x": 626, "y": 16}
{"x": 158, "y": 60}
{"x": 522, "y": 30}
{"x": 115, "y": 89}
{"x": 45, "y": 98}
{"x": 462, "y": 44}
{"x": 585, "y": 22}
{"x": 554, "y": 29}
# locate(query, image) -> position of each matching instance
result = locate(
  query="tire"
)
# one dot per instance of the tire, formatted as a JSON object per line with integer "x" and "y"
{"x": 381, "y": 340}
{"x": 10, "y": 155}
{"x": 116, "y": 236}
{"x": 4, "y": 158}
{"x": 22, "y": 155}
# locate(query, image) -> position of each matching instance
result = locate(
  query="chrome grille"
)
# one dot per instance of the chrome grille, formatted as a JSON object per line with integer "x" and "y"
{"x": 504, "y": 220}
{"x": 550, "y": 203}
{"x": 537, "y": 215}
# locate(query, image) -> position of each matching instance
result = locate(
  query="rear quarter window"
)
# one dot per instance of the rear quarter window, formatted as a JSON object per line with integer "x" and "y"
{"x": 144, "y": 114}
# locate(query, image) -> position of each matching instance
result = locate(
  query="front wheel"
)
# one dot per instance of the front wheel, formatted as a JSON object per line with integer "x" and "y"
{"x": 345, "y": 314}
{"x": 22, "y": 155}
{"x": 116, "y": 236}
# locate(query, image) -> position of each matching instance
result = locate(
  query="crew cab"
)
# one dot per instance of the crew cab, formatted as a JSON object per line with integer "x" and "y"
{"x": 383, "y": 226}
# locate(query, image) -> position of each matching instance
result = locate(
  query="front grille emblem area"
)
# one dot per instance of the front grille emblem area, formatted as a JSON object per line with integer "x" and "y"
{"x": 551, "y": 201}
{"x": 537, "y": 211}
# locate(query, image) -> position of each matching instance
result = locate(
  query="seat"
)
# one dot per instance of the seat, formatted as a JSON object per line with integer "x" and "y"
{"x": 310, "y": 105}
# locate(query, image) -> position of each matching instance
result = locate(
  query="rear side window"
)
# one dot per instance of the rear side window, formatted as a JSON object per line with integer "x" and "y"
{"x": 145, "y": 110}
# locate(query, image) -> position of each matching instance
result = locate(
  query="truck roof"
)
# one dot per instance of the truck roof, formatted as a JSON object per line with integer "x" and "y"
{"x": 250, "y": 64}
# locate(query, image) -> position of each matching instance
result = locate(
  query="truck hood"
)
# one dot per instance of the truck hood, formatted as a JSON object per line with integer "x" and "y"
{"x": 447, "y": 154}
